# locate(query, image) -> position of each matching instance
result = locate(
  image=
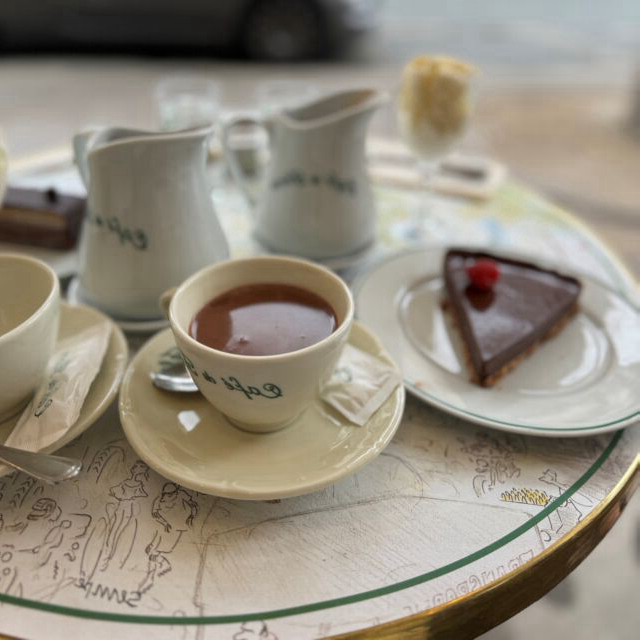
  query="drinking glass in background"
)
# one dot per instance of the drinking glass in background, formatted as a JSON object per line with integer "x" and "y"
{"x": 434, "y": 107}
{"x": 275, "y": 95}
{"x": 271, "y": 96}
{"x": 187, "y": 102}
{"x": 250, "y": 143}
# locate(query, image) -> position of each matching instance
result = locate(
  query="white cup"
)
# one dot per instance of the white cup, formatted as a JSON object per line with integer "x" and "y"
{"x": 29, "y": 312}
{"x": 259, "y": 393}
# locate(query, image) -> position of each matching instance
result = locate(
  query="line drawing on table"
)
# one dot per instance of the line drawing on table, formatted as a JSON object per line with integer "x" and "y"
{"x": 419, "y": 480}
{"x": 43, "y": 509}
{"x": 427, "y": 465}
{"x": 67, "y": 530}
{"x": 411, "y": 475}
{"x": 255, "y": 630}
{"x": 103, "y": 456}
{"x": 568, "y": 514}
{"x": 58, "y": 552}
{"x": 220, "y": 557}
{"x": 9, "y": 579}
{"x": 122, "y": 515}
{"x": 114, "y": 534}
{"x": 494, "y": 459}
{"x": 174, "y": 510}
{"x": 24, "y": 489}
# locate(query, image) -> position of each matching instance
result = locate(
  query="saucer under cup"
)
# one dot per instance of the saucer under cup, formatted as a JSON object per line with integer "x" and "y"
{"x": 185, "y": 439}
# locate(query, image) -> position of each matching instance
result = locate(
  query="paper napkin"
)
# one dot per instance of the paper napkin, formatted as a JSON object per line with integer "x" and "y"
{"x": 359, "y": 385}
{"x": 56, "y": 405}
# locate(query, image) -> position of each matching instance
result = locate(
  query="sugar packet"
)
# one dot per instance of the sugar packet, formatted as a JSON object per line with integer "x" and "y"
{"x": 359, "y": 385}
{"x": 56, "y": 405}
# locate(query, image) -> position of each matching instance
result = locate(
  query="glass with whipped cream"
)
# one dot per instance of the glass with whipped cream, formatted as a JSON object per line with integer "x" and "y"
{"x": 434, "y": 107}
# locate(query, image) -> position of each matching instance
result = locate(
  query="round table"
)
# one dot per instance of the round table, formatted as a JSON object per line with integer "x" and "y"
{"x": 450, "y": 531}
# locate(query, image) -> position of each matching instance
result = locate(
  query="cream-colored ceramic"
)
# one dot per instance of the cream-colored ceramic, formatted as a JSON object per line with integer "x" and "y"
{"x": 317, "y": 200}
{"x": 260, "y": 393}
{"x": 185, "y": 439}
{"x": 150, "y": 220}
{"x": 581, "y": 382}
{"x": 29, "y": 308}
{"x": 104, "y": 388}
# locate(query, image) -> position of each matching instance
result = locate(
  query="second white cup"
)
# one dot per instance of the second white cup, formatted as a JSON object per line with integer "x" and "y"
{"x": 29, "y": 313}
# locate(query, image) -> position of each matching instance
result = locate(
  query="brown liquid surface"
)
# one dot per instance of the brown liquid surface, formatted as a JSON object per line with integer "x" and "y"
{"x": 263, "y": 319}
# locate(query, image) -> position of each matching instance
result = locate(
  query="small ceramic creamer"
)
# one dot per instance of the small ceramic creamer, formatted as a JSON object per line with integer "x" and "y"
{"x": 150, "y": 220}
{"x": 317, "y": 200}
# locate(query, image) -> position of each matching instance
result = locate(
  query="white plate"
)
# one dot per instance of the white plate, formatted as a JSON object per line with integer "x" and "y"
{"x": 583, "y": 381}
{"x": 185, "y": 439}
{"x": 105, "y": 385}
{"x": 74, "y": 296}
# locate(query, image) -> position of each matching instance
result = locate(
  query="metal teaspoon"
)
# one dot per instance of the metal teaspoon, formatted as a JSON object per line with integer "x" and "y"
{"x": 46, "y": 467}
{"x": 174, "y": 378}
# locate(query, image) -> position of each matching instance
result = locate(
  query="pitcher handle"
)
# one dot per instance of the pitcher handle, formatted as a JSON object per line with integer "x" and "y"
{"x": 231, "y": 157}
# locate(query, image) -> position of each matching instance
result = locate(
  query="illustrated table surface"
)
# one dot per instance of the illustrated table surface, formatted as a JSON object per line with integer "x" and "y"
{"x": 451, "y": 530}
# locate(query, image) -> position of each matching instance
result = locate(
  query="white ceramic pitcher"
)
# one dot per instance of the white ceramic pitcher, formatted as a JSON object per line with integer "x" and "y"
{"x": 317, "y": 200}
{"x": 150, "y": 220}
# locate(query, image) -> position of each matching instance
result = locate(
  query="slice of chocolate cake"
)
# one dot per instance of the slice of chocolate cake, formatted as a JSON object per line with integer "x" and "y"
{"x": 42, "y": 218}
{"x": 504, "y": 308}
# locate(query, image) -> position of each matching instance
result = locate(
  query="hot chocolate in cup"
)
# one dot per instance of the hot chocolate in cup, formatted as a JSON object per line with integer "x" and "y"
{"x": 261, "y": 393}
{"x": 29, "y": 311}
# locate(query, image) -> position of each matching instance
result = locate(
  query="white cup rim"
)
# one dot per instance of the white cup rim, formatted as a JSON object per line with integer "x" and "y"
{"x": 336, "y": 335}
{"x": 53, "y": 293}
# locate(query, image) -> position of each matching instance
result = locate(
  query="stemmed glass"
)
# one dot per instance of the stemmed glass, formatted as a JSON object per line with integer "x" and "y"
{"x": 434, "y": 107}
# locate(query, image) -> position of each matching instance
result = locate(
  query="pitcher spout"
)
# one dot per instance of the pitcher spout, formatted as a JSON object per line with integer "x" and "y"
{"x": 93, "y": 140}
{"x": 335, "y": 108}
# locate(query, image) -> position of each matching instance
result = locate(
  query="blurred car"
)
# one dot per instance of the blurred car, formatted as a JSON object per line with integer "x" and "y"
{"x": 261, "y": 29}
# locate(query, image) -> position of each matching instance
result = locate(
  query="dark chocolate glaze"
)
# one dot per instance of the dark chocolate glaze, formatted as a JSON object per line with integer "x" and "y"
{"x": 500, "y": 324}
{"x": 47, "y": 200}
{"x": 46, "y": 218}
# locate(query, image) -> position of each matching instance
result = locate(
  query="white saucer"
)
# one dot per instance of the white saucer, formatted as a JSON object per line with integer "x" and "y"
{"x": 185, "y": 439}
{"x": 74, "y": 296}
{"x": 584, "y": 381}
{"x": 337, "y": 263}
{"x": 350, "y": 261}
{"x": 105, "y": 385}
